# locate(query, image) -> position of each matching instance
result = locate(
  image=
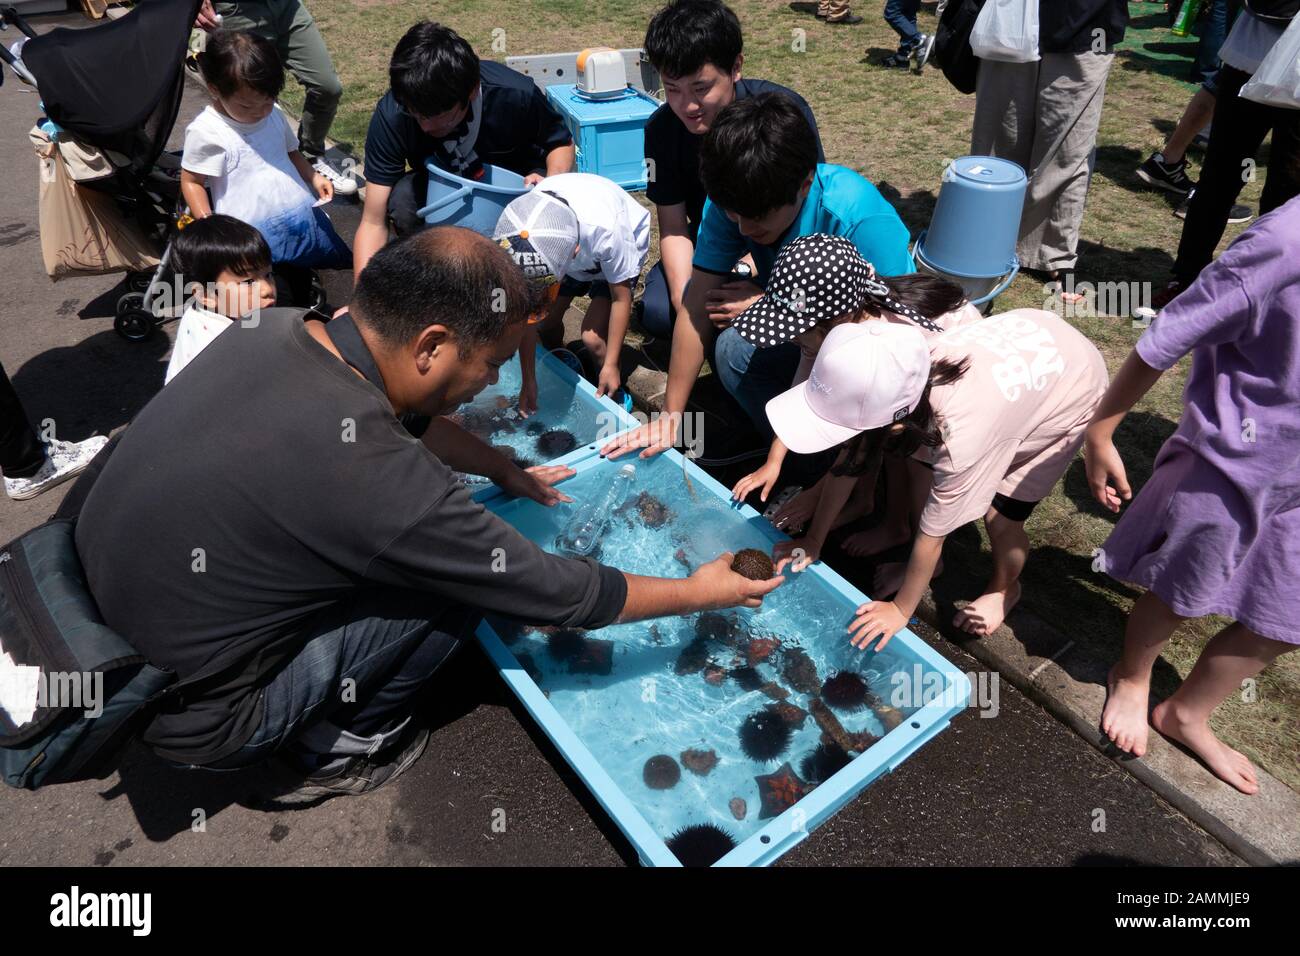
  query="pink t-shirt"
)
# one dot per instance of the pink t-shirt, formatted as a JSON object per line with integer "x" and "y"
{"x": 1014, "y": 421}
{"x": 946, "y": 322}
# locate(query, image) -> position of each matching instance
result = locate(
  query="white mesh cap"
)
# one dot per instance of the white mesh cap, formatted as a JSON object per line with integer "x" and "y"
{"x": 540, "y": 232}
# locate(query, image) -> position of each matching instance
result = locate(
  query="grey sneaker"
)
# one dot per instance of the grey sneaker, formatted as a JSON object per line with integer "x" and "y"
{"x": 63, "y": 460}
{"x": 344, "y": 183}
{"x": 923, "y": 51}
{"x": 295, "y": 790}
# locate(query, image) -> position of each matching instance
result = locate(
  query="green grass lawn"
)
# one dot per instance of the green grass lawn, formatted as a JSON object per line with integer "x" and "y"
{"x": 900, "y": 131}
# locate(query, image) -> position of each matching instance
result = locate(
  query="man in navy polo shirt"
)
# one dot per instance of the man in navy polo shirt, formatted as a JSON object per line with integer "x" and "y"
{"x": 759, "y": 166}
{"x": 446, "y": 105}
{"x": 696, "y": 47}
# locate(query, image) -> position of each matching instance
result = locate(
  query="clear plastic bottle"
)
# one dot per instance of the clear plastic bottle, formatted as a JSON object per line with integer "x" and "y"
{"x": 587, "y": 526}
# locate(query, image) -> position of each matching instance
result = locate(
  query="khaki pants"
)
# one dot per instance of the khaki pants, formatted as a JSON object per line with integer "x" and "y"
{"x": 833, "y": 9}
{"x": 289, "y": 25}
{"x": 1044, "y": 116}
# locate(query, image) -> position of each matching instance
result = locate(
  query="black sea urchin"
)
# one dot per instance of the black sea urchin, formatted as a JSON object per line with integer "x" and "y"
{"x": 701, "y": 845}
{"x": 764, "y": 735}
{"x": 556, "y": 442}
{"x": 821, "y": 764}
{"x": 846, "y": 691}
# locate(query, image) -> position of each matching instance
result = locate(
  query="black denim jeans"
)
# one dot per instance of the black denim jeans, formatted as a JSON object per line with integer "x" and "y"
{"x": 21, "y": 452}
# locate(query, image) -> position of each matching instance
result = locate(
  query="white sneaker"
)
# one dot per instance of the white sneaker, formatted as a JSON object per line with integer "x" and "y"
{"x": 63, "y": 460}
{"x": 344, "y": 184}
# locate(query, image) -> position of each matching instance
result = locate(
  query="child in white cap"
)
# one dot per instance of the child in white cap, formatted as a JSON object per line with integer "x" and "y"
{"x": 577, "y": 234}
{"x": 819, "y": 282}
{"x": 998, "y": 410}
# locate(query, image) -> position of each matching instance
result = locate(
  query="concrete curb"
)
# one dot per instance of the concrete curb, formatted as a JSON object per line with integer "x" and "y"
{"x": 1264, "y": 830}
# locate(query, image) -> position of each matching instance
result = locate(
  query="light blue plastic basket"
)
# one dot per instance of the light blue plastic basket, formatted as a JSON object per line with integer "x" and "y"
{"x": 785, "y": 831}
{"x": 472, "y": 203}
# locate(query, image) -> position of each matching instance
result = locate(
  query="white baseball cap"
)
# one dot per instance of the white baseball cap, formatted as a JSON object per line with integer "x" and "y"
{"x": 540, "y": 231}
{"x": 867, "y": 375}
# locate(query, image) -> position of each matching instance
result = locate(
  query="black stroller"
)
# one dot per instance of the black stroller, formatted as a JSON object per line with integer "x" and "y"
{"x": 117, "y": 87}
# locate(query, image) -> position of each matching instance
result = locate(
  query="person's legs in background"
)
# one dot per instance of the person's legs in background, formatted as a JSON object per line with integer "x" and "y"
{"x": 901, "y": 17}
{"x": 31, "y": 465}
{"x": 1239, "y": 128}
{"x": 1071, "y": 88}
{"x": 1006, "y": 107}
{"x": 837, "y": 11}
{"x": 1282, "y": 183}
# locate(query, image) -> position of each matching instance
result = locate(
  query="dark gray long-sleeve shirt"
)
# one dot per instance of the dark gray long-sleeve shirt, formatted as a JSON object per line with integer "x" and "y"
{"x": 267, "y": 483}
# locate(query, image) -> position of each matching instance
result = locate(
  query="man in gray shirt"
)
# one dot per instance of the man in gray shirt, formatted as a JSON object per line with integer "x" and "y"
{"x": 268, "y": 528}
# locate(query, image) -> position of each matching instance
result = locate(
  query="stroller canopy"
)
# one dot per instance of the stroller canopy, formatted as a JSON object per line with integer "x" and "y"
{"x": 117, "y": 85}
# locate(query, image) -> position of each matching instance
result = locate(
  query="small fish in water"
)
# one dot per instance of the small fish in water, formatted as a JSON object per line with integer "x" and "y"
{"x": 738, "y": 808}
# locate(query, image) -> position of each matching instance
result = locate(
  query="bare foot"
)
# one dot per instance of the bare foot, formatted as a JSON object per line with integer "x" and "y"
{"x": 1124, "y": 718}
{"x": 863, "y": 544}
{"x": 1225, "y": 763}
{"x": 889, "y": 577}
{"x": 985, "y": 614}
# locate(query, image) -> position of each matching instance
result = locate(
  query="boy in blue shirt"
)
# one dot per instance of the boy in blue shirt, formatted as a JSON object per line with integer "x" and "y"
{"x": 765, "y": 186}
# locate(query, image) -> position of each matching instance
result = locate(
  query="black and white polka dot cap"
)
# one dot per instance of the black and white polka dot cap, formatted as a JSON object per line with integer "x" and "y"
{"x": 814, "y": 279}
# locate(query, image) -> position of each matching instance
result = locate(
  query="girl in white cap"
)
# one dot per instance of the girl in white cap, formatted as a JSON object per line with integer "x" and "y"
{"x": 997, "y": 409}
{"x": 819, "y": 282}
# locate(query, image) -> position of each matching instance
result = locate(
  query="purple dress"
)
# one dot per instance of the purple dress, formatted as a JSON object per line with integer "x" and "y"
{"x": 1216, "y": 530}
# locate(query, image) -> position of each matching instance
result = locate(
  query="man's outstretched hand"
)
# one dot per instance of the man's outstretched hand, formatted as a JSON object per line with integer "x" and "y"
{"x": 720, "y": 587}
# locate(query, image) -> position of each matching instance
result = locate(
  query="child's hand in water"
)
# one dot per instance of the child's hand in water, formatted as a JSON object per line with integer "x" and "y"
{"x": 764, "y": 478}
{"x": 875, "y": 619}
{"x": 609, "y": 380}
{"x": 798, "y": 553}
{"x": 799, "y": 510}
{"x": 528, "y": 398}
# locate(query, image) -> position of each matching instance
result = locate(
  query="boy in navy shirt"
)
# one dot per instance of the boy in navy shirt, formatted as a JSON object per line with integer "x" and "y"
{"x": 447, "y": 105}
{"x": 696, "y": 47}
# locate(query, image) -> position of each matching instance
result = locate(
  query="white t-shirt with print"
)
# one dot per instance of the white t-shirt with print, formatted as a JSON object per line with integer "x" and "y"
{"x": 247, "y": 165}
{"x": 614, "y": 237}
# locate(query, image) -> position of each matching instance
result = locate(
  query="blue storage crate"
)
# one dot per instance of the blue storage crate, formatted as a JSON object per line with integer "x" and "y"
{"x": 603, "y": 725}
{"x": 609, "y": 132}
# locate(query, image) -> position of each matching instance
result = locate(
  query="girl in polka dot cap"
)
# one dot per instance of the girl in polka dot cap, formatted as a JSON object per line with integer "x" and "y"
{"x": 819, "y": 282}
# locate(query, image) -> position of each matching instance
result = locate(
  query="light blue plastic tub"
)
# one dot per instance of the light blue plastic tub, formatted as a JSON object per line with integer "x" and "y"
{"x": 607, "y": 724}
{"x": 565, "y": 401}
{"x": 976, "y": 221}
{"x": 473, "y": 203}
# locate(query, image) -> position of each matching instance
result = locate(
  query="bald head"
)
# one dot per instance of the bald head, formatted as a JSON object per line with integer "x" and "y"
{"x": 445, "y": 276}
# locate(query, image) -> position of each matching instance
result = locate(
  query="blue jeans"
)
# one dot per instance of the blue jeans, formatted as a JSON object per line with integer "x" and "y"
{"x": 752, "y": 375}
{"x": 1214, "y": 31}
{"x": 657, "y": 305}
{"x": 901, "y": 15}
{"x": 348, "y": 691}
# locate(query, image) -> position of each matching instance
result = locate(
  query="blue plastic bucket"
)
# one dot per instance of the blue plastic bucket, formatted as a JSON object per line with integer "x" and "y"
{"x": 976, "y": 220}
{"x": 473, "y": 203}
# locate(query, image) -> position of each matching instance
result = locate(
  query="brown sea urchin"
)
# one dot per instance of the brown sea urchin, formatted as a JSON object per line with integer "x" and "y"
{"x": 661, "y": 772}
{"x": 753, "y": 564}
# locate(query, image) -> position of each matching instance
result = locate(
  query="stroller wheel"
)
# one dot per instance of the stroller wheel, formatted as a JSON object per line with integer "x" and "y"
{"x": 138, "y": 281}
{"x": 134, "y": 325}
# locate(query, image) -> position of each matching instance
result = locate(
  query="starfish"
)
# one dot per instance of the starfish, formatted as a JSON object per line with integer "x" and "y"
{"x": 779, "y": 791}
